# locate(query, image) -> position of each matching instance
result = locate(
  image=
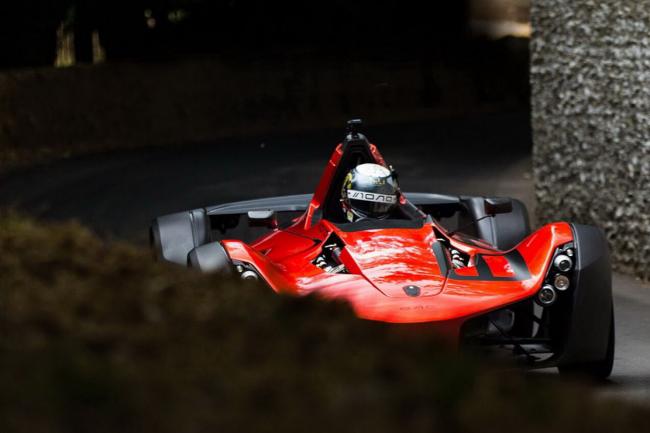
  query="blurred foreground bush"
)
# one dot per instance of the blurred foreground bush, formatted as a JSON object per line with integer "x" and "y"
{"x": 97, "y": 337}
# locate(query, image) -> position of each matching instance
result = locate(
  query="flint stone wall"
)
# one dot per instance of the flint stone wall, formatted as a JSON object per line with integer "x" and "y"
{"x": 590, "y": 76}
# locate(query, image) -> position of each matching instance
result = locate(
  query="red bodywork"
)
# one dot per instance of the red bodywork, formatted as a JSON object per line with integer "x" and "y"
{"x": 381, "y": 262}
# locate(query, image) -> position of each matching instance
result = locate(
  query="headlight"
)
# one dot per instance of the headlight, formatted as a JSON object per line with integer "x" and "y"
{"x": 557, "y": 278}
{"x": 561, "y": 282}
{"x": 246, "y": 271}
{"x": 563, "y": 263}
{"x": 546, "y": 296}
{"x": 249, "y": 275}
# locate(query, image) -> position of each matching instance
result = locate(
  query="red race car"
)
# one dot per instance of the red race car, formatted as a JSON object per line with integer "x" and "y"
{"x": 466, "y": 266}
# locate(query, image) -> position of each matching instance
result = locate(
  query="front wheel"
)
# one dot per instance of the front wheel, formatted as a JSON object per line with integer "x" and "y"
{"x": 210, "y": 258}
{"x": 598, "y": 370}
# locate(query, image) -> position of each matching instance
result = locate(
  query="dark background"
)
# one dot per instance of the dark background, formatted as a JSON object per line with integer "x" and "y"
{"x": 258, "y": 30}
{"x": 206, "y": 78}
{"x": 241, "y": 28}
{"x": 174, "y": 72}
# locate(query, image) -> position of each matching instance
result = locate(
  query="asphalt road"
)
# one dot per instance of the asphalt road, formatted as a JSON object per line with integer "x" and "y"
{"x": 118, "y": 194}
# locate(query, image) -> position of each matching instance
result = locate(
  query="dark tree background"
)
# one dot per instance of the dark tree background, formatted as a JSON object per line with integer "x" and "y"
{"x": 364, "y": 29}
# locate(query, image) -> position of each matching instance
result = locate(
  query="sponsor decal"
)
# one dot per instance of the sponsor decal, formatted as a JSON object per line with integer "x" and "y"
{"x": 370, "y": 196}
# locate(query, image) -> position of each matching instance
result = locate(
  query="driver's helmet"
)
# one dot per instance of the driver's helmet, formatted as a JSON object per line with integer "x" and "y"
{"x": 369, "y": 191}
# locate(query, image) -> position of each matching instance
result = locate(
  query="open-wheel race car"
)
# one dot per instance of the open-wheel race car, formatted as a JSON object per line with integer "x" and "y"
{"x": 468, "y": 267}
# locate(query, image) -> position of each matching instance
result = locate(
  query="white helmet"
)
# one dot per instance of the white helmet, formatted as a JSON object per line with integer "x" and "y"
{"x": 369, "y": 191}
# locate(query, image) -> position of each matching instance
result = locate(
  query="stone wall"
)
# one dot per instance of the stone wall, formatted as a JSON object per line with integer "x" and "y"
{"x": 590, "y": 80}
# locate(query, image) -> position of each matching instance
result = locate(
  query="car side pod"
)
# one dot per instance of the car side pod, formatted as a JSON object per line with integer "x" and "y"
{"x": 210, "y": 258}
{"x": 589, "y": 343}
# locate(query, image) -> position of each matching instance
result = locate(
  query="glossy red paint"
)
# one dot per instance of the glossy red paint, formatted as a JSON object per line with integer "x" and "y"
{"x": 499, "y": 266}
{"x": 381, "y": 262}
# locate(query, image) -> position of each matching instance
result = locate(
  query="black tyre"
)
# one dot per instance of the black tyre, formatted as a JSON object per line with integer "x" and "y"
{"x": 173, "y": 236}
{"x": 596, "y": 370}
{"x": 210, "y": 258}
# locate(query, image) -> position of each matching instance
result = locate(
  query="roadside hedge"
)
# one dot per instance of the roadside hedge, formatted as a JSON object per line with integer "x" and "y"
{"x": 97, "y": 337}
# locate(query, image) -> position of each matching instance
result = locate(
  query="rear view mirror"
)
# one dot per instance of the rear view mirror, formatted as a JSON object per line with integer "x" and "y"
{"x": 497, "y": 205}
{"x": 262, "y": 218}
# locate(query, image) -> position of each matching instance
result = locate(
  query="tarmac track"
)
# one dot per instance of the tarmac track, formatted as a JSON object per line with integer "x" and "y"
{"x": 118, "y": 194}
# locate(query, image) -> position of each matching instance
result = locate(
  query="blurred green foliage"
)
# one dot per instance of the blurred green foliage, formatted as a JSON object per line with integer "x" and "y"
{"x": 96, "y": 337}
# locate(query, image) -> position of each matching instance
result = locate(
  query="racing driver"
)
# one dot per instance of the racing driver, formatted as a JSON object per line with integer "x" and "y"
{"x": 369, "y": 191}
